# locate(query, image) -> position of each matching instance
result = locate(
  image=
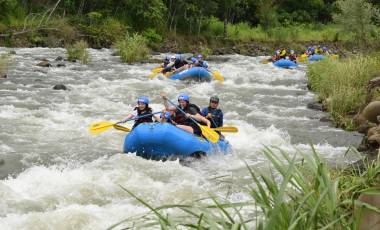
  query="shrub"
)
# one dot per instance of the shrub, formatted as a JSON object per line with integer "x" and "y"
{"x": 152, "y": 37}
{"x": 78, "y": 51}
{"x": 132, "y": 48}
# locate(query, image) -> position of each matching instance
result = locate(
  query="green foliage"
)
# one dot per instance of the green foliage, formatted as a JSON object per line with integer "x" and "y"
{"x": 358, "y": 17}
{"x": 152, "y": 37}
{"x": 341, "y": 84}
{"x": 78, "y": 51}
{"x": 133, "y": 48}
{"x": 300, "y": 192}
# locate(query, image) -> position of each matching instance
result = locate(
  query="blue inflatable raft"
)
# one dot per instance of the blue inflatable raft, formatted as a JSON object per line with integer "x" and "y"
{"x": 285, "y": 63}
{"x": 194, "y": 73}
{"x": 316, "y": 57}
{"x": 163, "y": 140}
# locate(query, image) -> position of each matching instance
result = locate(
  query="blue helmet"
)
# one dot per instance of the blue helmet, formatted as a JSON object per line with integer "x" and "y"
{"x": 277, "y": 52}
{"x": 193, "y": 59}
{"x": 324, "y": 48}
{"x": 178, "y": 57}
{"x": 143, "y": 99}
{"x": 292, "y": 51}
{"x": 183, "y": 97}
{"x": 205, "y": 64}
{"x": 200, "y": 56}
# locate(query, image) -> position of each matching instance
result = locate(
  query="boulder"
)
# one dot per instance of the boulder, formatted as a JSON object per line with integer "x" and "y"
{"x": 3, "y": 76}
{"x": 12, "y": 52}
{"x": 60, "y": 87}
{"x": 61, "y": 65}
{"x": 367, "y": 219}
{"x": 374, "y": 140}
{"x": 359, "y": 119}
{"x": 373, "y": 83}
{"x": 59, "y": 58}
{"x": 325, "y": 119}
{"x": 315, "y": 106}
{"x": 44, "y": 64}
{"x": 371, "y": 111}
{"x": 373, "y": 130}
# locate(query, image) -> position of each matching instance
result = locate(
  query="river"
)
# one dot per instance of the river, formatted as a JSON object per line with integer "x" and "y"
{"x": 55, "y": 175}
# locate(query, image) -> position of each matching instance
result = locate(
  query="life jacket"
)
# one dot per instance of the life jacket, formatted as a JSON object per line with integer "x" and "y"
{"x": 283, "y": 53}
{"x": 179, "y": 63}
{"x": 181, "y": 119}
{"x": 217, "y": 116}
{"x": 293, "y": 57}
{"x": 146, "y": 111}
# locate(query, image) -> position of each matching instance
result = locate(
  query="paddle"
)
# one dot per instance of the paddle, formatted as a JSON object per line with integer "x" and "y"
{"x": 207, "y": 132}
{"x": 217, "y": 75}
{"x": 102, "y": 126}
{"x": 155, "y": 71}
{"x": 265, "y": 61}
{"x": 227, "y": 129}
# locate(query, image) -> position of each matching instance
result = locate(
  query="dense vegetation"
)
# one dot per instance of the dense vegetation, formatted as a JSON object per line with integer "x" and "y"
{"x": 102, "y": 23}
{"x": 341, "y": 85}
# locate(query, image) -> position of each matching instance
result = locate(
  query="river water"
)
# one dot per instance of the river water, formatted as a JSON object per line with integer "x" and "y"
{"x": 55, "y": 175}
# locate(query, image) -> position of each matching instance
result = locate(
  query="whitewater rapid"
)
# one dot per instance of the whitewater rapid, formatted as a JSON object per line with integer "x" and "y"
{"x": 55, "y": 175}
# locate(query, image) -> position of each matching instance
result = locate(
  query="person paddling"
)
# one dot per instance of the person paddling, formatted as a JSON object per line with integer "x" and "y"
{"x": 213, "y": 113}
{"x": 141, "y": 109}
{"x": 182, "y": 120}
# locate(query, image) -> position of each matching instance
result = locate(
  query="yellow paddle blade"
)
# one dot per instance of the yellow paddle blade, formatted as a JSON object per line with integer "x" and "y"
{"x": 121, "y": 128}
{"x": 218, "y": 76}
{"x": 265, "y": 61}
{"x": 157, "y": 69}
{"x": 209, "y": 134}
{"x": 155, "y": 72}
{"x": 227, "y": 129}
{"x": 100, "y": 127}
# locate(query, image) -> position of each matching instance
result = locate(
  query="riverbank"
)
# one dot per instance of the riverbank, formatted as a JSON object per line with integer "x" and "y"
{"x": 349, "y": 89}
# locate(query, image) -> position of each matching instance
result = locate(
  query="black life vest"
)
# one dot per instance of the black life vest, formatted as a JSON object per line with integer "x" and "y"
{"x": 146, "y": 111}
{"x": 181, "y": 119}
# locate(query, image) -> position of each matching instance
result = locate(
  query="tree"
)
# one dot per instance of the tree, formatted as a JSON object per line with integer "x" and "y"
{"x": 358, "y": 17}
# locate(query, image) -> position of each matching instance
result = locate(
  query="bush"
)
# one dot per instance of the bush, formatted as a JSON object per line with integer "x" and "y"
{"x": 152, "y": 37}
{"x": 213, "y": 27}
{"x": 133, "y": 48}
{"x": 78, "y": 52}
{"x": 342, "y": 83}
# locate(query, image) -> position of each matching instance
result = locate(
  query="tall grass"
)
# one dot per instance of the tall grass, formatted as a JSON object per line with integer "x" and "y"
{"x": 78, "y": 51}
{"x": 303, "y": 192}
{"x": 4, "y": 64}
{"x": 341, "y": 84}
{"x": 133, "y": 48}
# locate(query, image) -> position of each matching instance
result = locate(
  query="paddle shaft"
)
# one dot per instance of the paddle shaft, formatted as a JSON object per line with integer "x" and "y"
{"x": 182, "y": 111}
{"x": 138, "y": 117}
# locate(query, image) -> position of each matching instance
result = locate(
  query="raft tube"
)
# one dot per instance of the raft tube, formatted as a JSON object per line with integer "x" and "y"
{"x": 194, "y": 73}
{"x": 316, "y": 57}
{"x": 163, "y": 140}
{"x": 285, "y": 63}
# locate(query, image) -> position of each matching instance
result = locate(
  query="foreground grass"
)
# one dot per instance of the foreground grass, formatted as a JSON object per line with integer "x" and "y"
{"x": 341, "y": 84}
{"x": 302, "y": 193}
